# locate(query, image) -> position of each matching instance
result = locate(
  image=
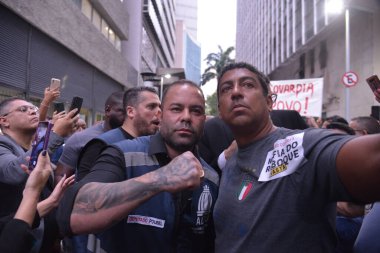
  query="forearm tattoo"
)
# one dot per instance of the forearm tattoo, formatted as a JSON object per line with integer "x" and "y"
{"x": 94, "y": 197}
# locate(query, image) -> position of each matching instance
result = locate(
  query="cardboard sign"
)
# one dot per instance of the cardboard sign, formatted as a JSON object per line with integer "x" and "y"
{"x": 302, "y": 95}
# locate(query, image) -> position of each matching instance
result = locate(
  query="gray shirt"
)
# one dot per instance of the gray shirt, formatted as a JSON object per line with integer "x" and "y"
{"x": 76, "y": 142}
{"x": 279, "y": 194}
{"x": 13, "y": 155}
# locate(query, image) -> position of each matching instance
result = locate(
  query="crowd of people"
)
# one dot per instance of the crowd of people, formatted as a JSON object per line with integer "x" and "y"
{"x": 160, "y": 176}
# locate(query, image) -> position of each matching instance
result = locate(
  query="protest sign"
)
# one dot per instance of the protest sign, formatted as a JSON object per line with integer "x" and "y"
{"x": 302, "y": 95}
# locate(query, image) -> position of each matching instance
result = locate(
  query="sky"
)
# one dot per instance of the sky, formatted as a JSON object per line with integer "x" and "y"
{"x": 216, "y": 26}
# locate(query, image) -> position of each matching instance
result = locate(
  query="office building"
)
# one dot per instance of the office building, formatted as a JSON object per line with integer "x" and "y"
{"x": 95, "y": 47}
{"x": 297, "y": 39}
{"x": 188, "y": 50}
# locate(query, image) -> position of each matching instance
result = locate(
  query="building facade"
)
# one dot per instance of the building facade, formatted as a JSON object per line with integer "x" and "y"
{"x": 77, "y": 41}
{"x": 188, "y": 49}
{"x": 297, "y": 39}
{"x": 95, "y": 47}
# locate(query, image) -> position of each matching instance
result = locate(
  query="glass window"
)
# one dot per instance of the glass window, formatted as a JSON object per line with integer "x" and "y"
{"x": 105, "y": 28}
{"x": 96, "y": 19}
{"x": 99, "y": 22}
{"x": 117, "y": 43}
{"x": 111, "y": 36}
{"x": 86, "y": 8}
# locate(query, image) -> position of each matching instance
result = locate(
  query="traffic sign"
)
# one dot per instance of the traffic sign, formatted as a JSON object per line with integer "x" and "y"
{"x": 350, "y": 79}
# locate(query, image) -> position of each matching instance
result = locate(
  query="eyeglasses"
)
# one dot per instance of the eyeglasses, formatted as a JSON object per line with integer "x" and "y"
{"x": 23, "y": 109}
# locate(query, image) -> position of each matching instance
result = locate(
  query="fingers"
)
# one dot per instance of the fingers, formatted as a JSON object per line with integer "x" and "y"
{"x": 60, "y": 114}
{"x": 72, "y": 113}
{"x": 69, "y": 181}
{"x": 61, "y": 181}
{"x": 183, "y": 172}
{"x": 25, "y": 168}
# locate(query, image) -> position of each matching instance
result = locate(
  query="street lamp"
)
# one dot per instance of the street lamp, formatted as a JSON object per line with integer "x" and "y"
{"x": 167, "y": 76}
{"x": 155, "y": 78}
{"x": 336, "y": 6}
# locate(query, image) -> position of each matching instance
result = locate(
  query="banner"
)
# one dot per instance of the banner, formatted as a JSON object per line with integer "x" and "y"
{"x": 303, "y": 95}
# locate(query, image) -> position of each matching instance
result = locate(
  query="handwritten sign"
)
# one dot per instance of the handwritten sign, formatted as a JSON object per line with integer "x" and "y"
{"x": 302, "y": 95}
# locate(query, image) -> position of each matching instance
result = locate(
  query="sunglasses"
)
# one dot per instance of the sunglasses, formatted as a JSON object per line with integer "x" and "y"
{"x": 23, "y": 109}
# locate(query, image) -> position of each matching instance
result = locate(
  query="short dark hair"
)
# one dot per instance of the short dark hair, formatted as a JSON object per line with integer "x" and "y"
{"x": 178, "y": 83}
{"x": 132, "y": 95}
{"x": 342, "y": 127}
{"x": 4, "y": 104}
{"x": 263, "y": 79}
{"x": 368, "y": 123}
{"x": 337, "y": 118}
{"x": 114, "y": 99}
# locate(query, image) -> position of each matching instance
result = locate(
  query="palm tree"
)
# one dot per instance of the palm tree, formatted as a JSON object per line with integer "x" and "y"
{"x": 215, "y": 63}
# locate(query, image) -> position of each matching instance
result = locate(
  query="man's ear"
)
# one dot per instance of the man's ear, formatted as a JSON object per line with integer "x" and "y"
{"x": 130, "y": 112}
{"x": 269, "y": 102}
{"x": 218, "y": 105}
{"x": 107, "y": 109}
{"x": 4, "y": 122}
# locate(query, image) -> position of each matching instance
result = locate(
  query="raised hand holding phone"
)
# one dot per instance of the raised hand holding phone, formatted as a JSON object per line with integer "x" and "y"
{"x": 40, "y": 142}
{"x": 76, "y": 103}
{"x": 59, "y": 107}
{"x": 55, "y": 83}
{"x": 64, "y": 124}
{"x": 374, "y": 83}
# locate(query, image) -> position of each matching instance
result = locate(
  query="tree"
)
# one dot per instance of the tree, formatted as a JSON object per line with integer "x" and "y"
{"x": 215, "y": 63}
{"x": 212, "y": 104}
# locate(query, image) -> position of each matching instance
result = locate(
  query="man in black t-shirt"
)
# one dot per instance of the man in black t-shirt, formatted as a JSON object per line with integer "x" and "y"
{"x": 142, "y": 117}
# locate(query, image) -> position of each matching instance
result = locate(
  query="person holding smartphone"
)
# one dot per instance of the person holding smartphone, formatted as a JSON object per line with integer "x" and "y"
{"x": 17, "y": 236}
{"x": 18, "y": 121}
{"x": 51, "y": 94}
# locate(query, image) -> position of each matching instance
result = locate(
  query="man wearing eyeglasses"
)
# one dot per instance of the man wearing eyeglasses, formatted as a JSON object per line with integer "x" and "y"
{"x": 18, "y": 122}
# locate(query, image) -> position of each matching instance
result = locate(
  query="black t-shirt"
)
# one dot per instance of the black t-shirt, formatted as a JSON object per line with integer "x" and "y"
{"x": 107, "y": 168}
{"x": 90, "y": 152}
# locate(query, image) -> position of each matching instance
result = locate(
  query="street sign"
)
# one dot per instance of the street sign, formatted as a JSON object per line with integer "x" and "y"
{"x": 350, "y": 79}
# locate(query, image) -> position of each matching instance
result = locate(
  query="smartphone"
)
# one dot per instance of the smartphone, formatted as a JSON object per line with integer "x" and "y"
{"x": 55, "y": 83}
{"x": 59, "y": 107}
{"x": 373, "y": 82}
{"x": 40, "y": 142}
{"x": 76, "y": 103}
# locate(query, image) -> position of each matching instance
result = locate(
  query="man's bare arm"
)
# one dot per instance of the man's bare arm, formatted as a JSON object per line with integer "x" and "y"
{"x": 358, "y": 166}
{"x": 100, "y": 205}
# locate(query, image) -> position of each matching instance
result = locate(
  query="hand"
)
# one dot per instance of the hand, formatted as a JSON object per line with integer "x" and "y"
{"x": 61, "y": 187}
{"x": 40, "y": 174}
{"x": 57, "y": 116}
{"x": 47, "y": 205}
{"x": 66, "y": 125}
{"x": 310, "y": 121}
{"x": 183, "y": 172}
{"x": 230, "y": 150}
{"x": 51, "y": 94}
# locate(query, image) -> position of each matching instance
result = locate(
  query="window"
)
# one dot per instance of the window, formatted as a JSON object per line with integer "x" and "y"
{"x": 86, "y": 8}
{"x": 311, "y": 60}
{"x": 96, "y": 19}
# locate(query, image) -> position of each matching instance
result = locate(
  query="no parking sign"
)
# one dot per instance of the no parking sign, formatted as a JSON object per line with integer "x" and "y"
{"x": 350, "y": 79}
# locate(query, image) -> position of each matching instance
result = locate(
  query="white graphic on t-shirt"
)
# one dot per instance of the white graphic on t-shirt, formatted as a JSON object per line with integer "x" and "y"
{"x": 284, "y": 159}
{"x": 203, "y": 212}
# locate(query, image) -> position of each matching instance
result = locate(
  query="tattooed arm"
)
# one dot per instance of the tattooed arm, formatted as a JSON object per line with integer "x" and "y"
{"x": 100, "y": 205}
